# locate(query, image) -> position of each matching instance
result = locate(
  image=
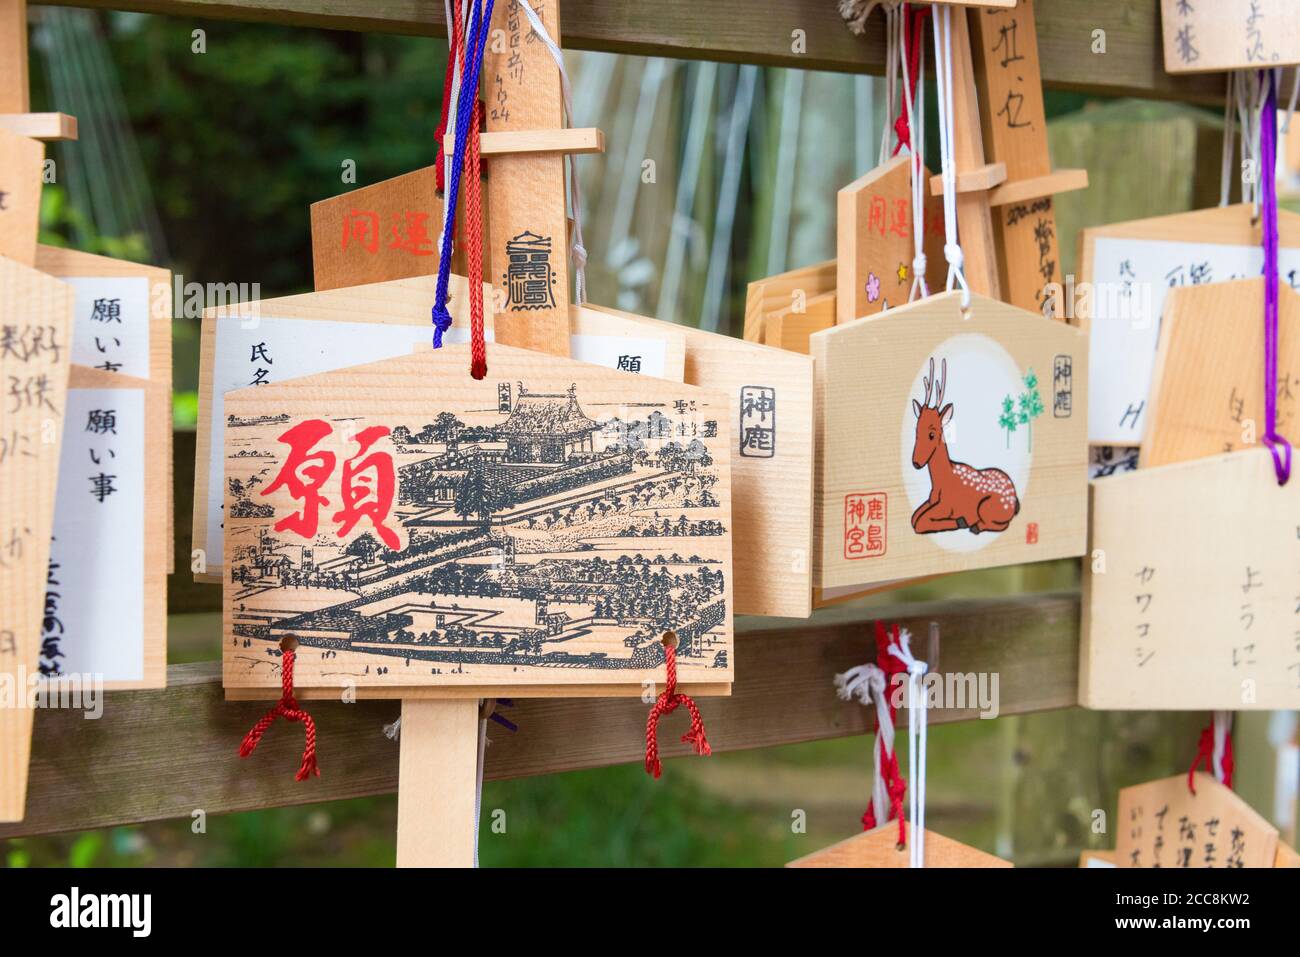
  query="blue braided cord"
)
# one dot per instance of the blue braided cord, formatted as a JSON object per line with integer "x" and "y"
{"x": 475, "y": 43}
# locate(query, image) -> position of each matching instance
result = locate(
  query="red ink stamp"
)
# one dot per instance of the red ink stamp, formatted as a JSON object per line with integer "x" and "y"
{"x": 866, "y": 516}
{"x": 1031, "y": 533}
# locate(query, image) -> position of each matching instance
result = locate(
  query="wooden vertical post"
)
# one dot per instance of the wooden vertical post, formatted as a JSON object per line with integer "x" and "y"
{"x": 528, "y": 263}
{"x": 1004, "y": 44}
{"x": 436, "y": 783}
{"x": 529, "y": 259}
{"x": 14, "y": 95}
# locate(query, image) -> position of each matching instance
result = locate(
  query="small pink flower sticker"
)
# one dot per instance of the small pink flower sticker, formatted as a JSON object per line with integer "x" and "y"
{"x": 873, "y": 287}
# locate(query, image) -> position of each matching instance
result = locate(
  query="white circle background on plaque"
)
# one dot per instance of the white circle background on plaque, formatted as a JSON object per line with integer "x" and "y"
{"x": 980, "y": 374}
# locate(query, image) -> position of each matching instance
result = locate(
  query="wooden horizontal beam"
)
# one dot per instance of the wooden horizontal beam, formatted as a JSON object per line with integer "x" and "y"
{"x": 1054, "y": 183}
{"x": 580, "y": 141}
{"x": 977, "y": 180}
{"x": 1102, "y": 46}
{"x": 41, "y": 126}
{"x": 165, "y": 754}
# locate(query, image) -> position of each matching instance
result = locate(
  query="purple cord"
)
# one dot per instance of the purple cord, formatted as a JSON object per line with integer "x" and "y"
{"x": 475, "y": 41}
{"x": 1279, "y": 446}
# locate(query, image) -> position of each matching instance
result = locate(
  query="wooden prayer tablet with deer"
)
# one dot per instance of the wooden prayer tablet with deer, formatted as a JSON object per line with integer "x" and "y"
{"x": 541, "y": 528}
{"x": 1189, "y": 599}
{"x": 947, "y": 443}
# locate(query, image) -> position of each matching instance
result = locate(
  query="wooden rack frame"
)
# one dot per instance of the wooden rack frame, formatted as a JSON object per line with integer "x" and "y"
{"x": 164, "y": 754}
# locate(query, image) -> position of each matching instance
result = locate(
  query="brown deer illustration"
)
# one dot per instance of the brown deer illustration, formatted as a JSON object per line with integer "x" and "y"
{"x": 983, "y": 500}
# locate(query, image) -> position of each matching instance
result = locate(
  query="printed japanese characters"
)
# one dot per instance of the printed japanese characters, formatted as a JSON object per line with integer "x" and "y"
{"x": 411, "y": 526}
{"x": 948, "y": 443}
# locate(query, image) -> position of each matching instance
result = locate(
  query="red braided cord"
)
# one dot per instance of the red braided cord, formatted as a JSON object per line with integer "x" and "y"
{"x": 667, "y": 703}
{"x": 916, "y": 17}
{"x": 474, "y": 247}
{"x": 1205, "y": 753}
{"x": 287, "y": 708}
{"x": 895, "y": 785}
{"x": 452, "y": 50}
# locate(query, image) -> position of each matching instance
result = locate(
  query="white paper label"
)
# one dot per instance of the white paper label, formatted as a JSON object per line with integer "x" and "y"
{"x": 111, "y": 323}
{"x": 95, "y": 593}
{"x": 1130, "y": 280}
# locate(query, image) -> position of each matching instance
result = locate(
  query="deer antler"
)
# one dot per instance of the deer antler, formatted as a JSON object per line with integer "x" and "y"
{"x": 943, "y": 382}
{"x": 928, "y": 382}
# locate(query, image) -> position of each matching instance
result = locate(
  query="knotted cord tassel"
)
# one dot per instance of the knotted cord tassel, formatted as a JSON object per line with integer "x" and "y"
{"x": 287, "y": 708}
{"x": 668, "y": 702}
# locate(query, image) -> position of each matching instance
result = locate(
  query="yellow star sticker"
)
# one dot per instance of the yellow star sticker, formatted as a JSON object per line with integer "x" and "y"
{"x": 902, "y": 272}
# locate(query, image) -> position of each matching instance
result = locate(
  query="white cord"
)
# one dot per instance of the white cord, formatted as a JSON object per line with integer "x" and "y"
{"x": 893, "y": 18}
{"x": 1290, "y": 107}
{"x": 1222, "y": 728}
{"x": 943, "y": 71}
{"x": 866, "y": 684}
{"x": 914, "y": 103}
{"x": 578, "y": 250}
{"x": 916, "y": 737}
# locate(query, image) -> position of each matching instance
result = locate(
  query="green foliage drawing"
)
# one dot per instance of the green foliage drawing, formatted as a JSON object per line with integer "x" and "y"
{"x": 1008, "y": 418}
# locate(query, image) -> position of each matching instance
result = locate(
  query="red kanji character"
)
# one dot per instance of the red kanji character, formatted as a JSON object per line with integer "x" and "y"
{"x": 303, "y": 475}
{"x": 902, "y": 221}
{"x": 415, "y": 238}
{"x": 363, "y": 227}
{"x": 877, "y": 215}
{"x": 371, "y": 496}
{"x": 875, "y": 510}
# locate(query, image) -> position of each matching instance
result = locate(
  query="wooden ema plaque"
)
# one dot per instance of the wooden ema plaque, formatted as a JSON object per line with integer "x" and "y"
{"x": 947, "y": 443}
{"x": 792, "y": 291}
{"x": 874, "y": 245}
{"x": 532, "y": 540}
{"x": 1192, "y": 615}
{"x": 261, "y": 342}
{"x": 770, "y": 395}
{"x": 1126, "y": 272}
{"x": 1214, "y": 37}
{"x": 1164, "y": 824}
{"x": 880, "y": 848}
{"x": 385, "y": 231}
{"x": 36, "y": 318}
{"x": 1207, "y": 390}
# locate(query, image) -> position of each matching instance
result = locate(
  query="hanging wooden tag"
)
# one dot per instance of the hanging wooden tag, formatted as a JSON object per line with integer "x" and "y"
{"x": 22, "y": 161}
{"x": 1192, "y": 614}
{"x": 35, "y": 330}
{"x": 385, "y": 231}
{"x": 543, "y": 535}
{"x": 106, "y": 598}
{"x": 789, "y": 290}
{"x": 790, "y": 328}
{"x": 261, "y": 342}
{"x": 1164, "y": 824}
{"x": 1229, "y": 35}
{"x": 122, "y": 323}
{"x": 1005, "y": 46}
{"x": 770, "y": 394}
{"x": 874, "y": 245}
{"x": 1126, "y": 271}
{"x": 1207, "y": 389}
{"x": 528, "y": 252}
{"x": 880, "y": 848}
{"x": 995, "y": 475}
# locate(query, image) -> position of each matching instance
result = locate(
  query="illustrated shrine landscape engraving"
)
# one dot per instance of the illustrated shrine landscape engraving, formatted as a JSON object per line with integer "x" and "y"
{"x": 533, "y": 529}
